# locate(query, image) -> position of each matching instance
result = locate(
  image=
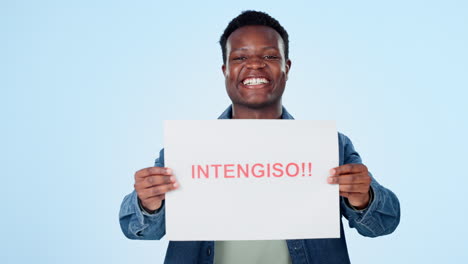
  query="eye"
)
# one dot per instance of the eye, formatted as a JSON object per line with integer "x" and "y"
{"x": 271, "y": 57}
{"x": 240, "y": 58}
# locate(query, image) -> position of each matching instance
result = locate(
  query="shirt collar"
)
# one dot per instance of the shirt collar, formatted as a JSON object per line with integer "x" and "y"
{"x": 227, "y": 114}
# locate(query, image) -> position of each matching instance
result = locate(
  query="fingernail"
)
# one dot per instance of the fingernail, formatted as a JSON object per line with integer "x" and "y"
{"x": 168, "y": 171}
{"x": 176, "y": 185}
{"x": 172, "y": 179}
{"x": 332, "y": 172}
{"x": 330, "y": 180}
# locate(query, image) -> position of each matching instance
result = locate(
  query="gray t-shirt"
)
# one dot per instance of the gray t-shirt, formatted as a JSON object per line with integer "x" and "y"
{"x": 252, "y": 252}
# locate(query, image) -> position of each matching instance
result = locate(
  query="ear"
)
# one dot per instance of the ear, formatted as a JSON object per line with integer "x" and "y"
{"x": 288, "y": 67}
{"x": 223, "y": 68}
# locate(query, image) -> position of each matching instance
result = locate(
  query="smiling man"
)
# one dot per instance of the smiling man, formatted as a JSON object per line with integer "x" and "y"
{"x": 256, "y": 64}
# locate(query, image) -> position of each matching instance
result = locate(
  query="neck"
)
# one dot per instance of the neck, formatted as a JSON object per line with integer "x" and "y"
{"x": 273, "y": 111}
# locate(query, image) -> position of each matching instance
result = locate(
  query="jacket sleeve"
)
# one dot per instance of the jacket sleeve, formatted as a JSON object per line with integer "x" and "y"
{"x": 382, "y": 215}
{"x": 137, "y": 224}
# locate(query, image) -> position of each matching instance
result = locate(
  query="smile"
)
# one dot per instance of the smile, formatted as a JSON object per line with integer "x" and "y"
{"x": 255, "y": 81}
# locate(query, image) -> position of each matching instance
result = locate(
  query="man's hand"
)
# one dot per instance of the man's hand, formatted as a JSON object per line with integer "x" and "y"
{"x": 354, "y": 181}
{"x": 152, "y": 184}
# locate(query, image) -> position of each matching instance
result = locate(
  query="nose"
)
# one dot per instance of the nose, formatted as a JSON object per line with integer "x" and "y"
{"x": 256, "y": 63}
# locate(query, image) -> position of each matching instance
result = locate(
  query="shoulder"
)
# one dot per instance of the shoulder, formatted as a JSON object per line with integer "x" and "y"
{"x": 348, "y": 153}
{"x": 159, "y": 162}
{"x": 343, "y": 140}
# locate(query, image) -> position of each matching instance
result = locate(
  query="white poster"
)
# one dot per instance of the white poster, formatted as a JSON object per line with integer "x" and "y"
{"x": 251, "y": 180}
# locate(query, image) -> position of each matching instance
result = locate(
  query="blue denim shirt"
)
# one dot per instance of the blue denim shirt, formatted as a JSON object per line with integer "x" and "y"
{"x": 381, "y": 217}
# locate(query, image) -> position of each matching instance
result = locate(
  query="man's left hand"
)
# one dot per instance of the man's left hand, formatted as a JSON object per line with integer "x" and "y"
{"x": 354, "y": 181}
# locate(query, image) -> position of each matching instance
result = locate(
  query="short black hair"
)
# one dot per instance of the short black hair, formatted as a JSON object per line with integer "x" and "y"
{"x": 251, "y": 18}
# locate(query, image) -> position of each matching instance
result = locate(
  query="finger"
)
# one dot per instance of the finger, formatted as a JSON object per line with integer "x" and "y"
{"x": 345, "y": 194}
{"x": 348, "y": 169}
{"x": 349, "y": 194}
{"x": 154, "y": 199}
{"x": 157, "y": 190}
{"x": 151, "y": 181}
{"x": 152, "y": 171}
{"x": 349, "y": 179}
{"x": 354, "y": 188}
{"x": 158, "y": 180}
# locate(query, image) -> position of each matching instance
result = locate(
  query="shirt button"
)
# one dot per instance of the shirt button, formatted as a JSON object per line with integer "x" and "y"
{"x": 208, "y": 251}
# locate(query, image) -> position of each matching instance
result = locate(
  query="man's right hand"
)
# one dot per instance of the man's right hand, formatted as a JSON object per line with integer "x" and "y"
{"x": 152, "y": 184}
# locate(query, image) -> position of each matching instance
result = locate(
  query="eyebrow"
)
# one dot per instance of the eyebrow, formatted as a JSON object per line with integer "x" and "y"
{"x": 264, "y": 48}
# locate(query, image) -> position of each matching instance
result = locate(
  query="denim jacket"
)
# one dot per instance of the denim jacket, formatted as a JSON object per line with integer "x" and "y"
{"x": 381, "y": 217}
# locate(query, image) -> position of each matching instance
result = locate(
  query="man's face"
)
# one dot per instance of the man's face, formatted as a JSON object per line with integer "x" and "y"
{"x": 255, "y": 70}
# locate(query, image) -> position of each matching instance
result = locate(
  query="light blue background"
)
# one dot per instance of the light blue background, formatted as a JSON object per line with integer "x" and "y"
{"x": 86, "y": 85}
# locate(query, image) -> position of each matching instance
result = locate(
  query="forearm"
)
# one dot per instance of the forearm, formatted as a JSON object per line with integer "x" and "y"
{"x": 137, "y": 225}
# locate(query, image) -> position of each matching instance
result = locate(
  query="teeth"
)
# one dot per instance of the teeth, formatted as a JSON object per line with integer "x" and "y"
{"x": 255, "y": 81}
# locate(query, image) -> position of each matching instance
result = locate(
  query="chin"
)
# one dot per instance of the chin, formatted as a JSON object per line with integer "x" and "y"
{"x": 255, "y": 100}
{"x": 257, "y": 104}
